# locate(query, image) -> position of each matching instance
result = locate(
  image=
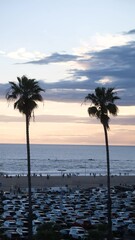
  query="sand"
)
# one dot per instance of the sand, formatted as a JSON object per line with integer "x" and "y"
{"x": 8, "y": 183}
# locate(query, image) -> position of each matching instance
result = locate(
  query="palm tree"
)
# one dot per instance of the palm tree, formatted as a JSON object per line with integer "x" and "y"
{"x": 26, "y": 93}
{"x": 102, "y": 104}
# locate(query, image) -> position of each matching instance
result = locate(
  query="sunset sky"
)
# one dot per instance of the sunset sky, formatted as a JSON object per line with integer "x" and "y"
{"x": 71, "y": 47}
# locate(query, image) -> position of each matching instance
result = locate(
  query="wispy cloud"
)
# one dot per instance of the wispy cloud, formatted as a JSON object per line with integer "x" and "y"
{"x": 99, "y": 42}
{"x": 36, "y": 57}
{"x": 55, "y": 58}
{"x": 23, "y": 54}
{"x": 120, "y": 120}
{"x": 2, "y": 52}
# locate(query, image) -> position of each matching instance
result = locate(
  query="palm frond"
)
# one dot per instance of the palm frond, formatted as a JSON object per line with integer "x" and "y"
{"x": 92, "y": 111}
{"x": 27, "y": 93}
{"x": 102, "y": 102}
{"x": 112, "y": 108}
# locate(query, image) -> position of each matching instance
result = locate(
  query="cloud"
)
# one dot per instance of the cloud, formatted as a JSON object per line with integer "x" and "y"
{"x": 2, "y": 53}
{"x": 99, "y": 42}
{"x": 36, "y": 57}
{"x": 130, "y": 32}
{"x": 55, "y": 58}
{"x": 65, "y": 94}
{"x": 123, "y": 120}
{"x": 5, "y": 118}
{"x": 119, "y": 120}
{"x": 109, "y": 65}
{"x": 116, "y": 63}
{"x": 3, "y": 89}
{"x": 22, "y": 54}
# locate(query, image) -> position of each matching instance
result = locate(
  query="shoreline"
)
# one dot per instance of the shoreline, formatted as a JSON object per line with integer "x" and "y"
{"x": 40, "y": 182}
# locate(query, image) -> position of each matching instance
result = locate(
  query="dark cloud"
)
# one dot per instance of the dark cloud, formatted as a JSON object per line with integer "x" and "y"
{"x": 130, "y": 32}
{"x": 3, "y": 89}
{"x": 55, "y": 58}
{"x": 117, "y": 64}
{"x": 66, "y": 95}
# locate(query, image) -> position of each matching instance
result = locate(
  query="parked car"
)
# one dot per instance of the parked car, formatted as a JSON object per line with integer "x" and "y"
{"x": 10, "y": 224}
{"x": 22, "y": 222}
{"x": 78, "y": 233}
{"x": 131, "y": 228}
{"x": 86, "y": 224}
{"x": 22, "y": 231}
{"x": 11, "y": 234}
{"x": 65, "y": 232}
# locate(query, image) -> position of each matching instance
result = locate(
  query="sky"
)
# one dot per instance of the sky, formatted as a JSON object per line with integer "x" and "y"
{"x": 71, "y": 47}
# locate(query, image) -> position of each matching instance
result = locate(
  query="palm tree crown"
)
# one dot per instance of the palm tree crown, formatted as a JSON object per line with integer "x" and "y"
{"x": 27, "y": 93}
{"x": 103, "y": 104}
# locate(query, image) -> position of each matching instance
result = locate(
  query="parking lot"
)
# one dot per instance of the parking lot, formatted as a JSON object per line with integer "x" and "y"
{"x": 68, "y": 208}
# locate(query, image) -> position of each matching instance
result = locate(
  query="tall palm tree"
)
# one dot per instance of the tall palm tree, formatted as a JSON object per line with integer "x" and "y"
{"x": 102, "y": 104}
{"x": 25, "y": 94}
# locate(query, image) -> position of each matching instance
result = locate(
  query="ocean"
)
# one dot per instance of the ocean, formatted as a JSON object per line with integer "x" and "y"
{"x": 66, "y": 159}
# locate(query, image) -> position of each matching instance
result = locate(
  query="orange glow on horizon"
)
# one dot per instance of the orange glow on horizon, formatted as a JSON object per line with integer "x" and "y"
{"x": 63, "y": 123}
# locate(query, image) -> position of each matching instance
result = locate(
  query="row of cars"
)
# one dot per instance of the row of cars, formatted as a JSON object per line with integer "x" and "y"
{"x": 72, "y": 211}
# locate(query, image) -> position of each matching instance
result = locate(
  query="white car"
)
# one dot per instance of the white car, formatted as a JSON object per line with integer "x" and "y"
{"x": 22, "y": 231}
{"x": 21, "y": 222}
{"x": 131, "y": 228}
{"x": 10, "y": 224}
{"x": 6, "y": 215}
{"x": 78, "y": 233}
{"x": 36, "y": 222}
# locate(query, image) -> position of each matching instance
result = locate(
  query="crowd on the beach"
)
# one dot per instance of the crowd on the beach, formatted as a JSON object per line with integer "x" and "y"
{"x": 64, "y": 175}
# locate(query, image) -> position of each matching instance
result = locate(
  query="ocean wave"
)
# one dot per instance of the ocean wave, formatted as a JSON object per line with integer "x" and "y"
{"x": 78, "y": 159}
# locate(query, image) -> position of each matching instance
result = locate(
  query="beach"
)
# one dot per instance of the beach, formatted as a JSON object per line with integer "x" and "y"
{"x": 15, "y": 182}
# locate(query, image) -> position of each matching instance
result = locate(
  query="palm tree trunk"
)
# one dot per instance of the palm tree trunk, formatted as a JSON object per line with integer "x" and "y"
{"x": 29, "y": 178}
{"x": 108, "y": 186}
